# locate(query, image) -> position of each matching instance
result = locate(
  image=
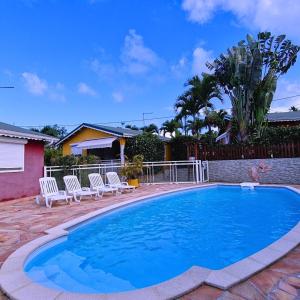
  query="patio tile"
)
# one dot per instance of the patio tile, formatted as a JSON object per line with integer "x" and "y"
{"x": 287, "y": 288}
{"x": 266, "y": 280}
{"x": 281, "y": 295}
{"x": 283, "y": 245}
{"x": 22, "y": 220}
{"x": 247, "y": 290}
{"x": 189, "y": 280}
{"x": 13, "y": 281}
{"x": 13, "y": 263}
{"x": 203, "y": 292}
{"x": 286, "y": 266}
{"x": 266, "y": 256}
{"x": 244, "y": 268}
{"x": 221, "y": 279}
{"x": 35, "y": 292}
{"x": 294, "y": 281}
{"x": 229, "y": 296}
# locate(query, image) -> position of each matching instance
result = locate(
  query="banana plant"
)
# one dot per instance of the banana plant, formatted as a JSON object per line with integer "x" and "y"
{"x": 248, "y": 74}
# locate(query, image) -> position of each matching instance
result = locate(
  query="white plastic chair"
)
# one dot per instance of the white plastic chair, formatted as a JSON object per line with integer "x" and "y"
{"x": 50, "y": 192}
{"x": 115, "y": 182}
{"x": 74, "y": 188}
{"x": 97, "y": 184}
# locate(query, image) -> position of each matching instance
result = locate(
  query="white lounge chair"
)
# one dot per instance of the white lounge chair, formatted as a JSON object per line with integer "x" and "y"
{"x": 97, "y": 184}
{"x": 50, "y": 192}
{"x": 74, "y": 188}
{"x": 115, "y": 182}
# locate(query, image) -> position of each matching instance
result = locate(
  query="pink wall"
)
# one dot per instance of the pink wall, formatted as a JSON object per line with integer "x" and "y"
{"x": 22, "y": 184}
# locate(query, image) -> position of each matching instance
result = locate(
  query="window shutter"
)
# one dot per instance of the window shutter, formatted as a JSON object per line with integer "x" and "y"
{"x": 11, "y": 157}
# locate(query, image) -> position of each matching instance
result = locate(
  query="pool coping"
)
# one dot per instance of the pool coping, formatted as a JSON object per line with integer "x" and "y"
{"x": 17, "y": 285}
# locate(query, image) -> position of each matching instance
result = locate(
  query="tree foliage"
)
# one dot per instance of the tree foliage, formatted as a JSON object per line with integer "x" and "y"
{"x": 134, "y": 168}
{"x": 146, "y": 144}
{"x": 151, "y": 128}
{"x": 54, "y": 157}
{"x": 248, "y": 74}
{"x": 278, "y": 135}
{"x": 179, "y": 146}
{"x": 132, "y": 127}
{"x": 52, "y": 130}
{"x": 170, "y": 126}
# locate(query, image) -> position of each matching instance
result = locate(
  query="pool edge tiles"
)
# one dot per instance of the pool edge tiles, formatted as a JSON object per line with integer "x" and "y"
{"x": 16, "y": 284}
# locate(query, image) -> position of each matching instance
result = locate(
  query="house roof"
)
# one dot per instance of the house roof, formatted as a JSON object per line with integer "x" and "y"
{"x": 115, "y": 131}
{"x": 8, "y": 130}
{"x": 291, "y": 116}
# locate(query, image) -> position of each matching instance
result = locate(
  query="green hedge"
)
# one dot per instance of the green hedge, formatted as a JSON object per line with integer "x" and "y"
{"x": 54, "y": 157}
{"x": 277, "y": 135}
{"x": 146, "y": 144}
{"x": 179, "y": 146}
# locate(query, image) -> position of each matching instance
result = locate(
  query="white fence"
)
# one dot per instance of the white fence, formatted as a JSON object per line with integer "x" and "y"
{"x": 191, "y": 171}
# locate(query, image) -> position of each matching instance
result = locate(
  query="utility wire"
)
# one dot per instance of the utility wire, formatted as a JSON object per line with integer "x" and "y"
{"x": 136, "y": 120}
{"x": 102, "y": 123}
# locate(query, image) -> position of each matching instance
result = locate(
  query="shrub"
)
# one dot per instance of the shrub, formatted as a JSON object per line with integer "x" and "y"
{"x": 277, "y": 135}
{"x": 146, "y": 144}
{"x": 134, "y": 168}
{"x": 54, "y": 157}
{"x": 179, "y": 146}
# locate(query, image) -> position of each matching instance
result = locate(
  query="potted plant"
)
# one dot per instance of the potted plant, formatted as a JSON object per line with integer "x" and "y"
{"x": 132, "y": 170}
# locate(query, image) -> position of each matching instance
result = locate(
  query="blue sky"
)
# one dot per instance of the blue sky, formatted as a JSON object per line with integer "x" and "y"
{"x": 102, "y": 61}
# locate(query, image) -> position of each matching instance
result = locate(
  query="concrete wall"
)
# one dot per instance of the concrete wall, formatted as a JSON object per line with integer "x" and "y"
{"x": 23, "y": 184}
{"x": 283, "y": 170}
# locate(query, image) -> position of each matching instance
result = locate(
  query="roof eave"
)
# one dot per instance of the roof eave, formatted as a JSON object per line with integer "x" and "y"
{"x": 28, "y": 136}
{"x": 91, "y": 127}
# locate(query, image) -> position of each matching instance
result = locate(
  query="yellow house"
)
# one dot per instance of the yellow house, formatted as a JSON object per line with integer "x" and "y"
{"x": 105, "y": 142}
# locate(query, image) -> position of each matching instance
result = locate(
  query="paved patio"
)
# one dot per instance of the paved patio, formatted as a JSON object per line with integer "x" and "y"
{"x": 22, "y": 220}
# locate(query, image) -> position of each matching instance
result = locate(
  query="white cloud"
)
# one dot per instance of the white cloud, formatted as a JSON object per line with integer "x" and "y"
{"x": 285, "y": 89}
{"x": 85, "y": 89}
{"x": 137, "y": 58}
{"x": 34, "y": 84}
{"x": 57, "y": 96}
{"x": 200, "y": 57}
{"x": 278, "y": 16}
{"x": 118, "y": 96}
{"x": 60, "y": 86}
{"x": 103, "y": 69}
{"x": 40, "y": 87}
{"x": 180, "y": 67}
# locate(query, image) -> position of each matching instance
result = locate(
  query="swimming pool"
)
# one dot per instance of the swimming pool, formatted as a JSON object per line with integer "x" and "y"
{"x": 157, "y": 239}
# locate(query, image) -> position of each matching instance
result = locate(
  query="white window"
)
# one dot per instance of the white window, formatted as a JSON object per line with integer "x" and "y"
{"x": 12, "y": 153}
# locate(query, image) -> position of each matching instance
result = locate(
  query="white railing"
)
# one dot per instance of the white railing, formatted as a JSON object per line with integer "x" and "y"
{"x": 191, "y": 171}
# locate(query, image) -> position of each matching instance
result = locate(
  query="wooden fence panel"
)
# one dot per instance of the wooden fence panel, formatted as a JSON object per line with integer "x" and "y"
{"x": 227, "y": 152}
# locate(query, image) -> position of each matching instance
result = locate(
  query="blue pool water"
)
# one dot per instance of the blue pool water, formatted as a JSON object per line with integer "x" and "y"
{"x": 155, "y": 240}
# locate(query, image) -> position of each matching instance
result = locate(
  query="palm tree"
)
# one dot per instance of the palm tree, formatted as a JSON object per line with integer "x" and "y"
{"x": 151, "y": 128}
{"x": 170, "y": 127}
{"x": 203, "y": 91}
{"x": 199, "y": 94}
{"x": 187, "y": 106}
{"x": 195, "y": 126}
{"x": 216, "y": 119}
{"x": 294, "y": 108}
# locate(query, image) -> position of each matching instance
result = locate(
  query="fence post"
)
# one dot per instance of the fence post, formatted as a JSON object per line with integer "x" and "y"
{"x": 45, "y": 171}
{"x": 197, "y": 170}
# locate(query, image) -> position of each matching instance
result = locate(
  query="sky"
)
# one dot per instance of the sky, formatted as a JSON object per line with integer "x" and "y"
{"x": 104, "y": 61}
